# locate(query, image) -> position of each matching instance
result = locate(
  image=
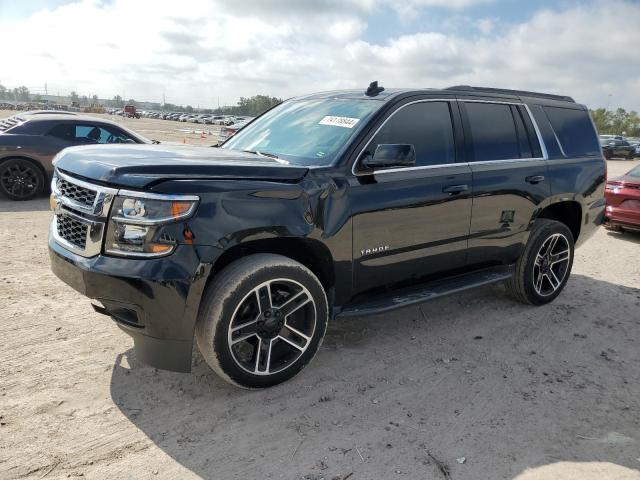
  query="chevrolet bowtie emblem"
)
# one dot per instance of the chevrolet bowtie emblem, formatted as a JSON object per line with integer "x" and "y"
{"x": 54, "y": 203}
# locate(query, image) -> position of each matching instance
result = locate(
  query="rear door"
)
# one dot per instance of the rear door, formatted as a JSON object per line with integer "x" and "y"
{"x": 510, "y": 178}
{"x": 412, "y": 222}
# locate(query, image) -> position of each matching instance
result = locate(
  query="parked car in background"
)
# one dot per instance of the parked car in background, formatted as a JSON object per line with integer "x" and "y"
{"x": 330, "y": 205}
{"x": 28, "y": 143}
{"x": 622, "y": 195}
{"x": 612, "y": 148}
{"x": 130, "y": 111}
{"x": 230, "y": 130}
{"x": 635, "y": 143}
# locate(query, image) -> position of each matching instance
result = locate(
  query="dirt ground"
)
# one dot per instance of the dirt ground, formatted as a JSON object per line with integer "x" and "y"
{"x": 474, "y": 385}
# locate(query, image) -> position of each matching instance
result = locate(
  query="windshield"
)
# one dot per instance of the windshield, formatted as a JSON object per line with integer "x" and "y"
{"x": 635, "y": 172}
{"x": 305, "y": 132}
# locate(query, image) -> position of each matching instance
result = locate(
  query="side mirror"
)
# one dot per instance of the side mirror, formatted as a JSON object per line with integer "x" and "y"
{"x": 391, "y": 155}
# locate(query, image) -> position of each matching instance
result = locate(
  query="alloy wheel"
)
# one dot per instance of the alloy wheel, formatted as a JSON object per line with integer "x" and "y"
{"x": 551, "y": 264}
{"x": 20, "y": 180}
{"x": 272, "y": 327}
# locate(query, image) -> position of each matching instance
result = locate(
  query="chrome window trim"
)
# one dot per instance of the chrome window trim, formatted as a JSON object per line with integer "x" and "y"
{"x": 545, "y": 155}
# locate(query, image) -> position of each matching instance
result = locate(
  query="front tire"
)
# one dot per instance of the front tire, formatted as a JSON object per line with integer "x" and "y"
{"x": 544, "y": 267}
{"x": 261, "y": 321}
{"x": 20, "y": 179}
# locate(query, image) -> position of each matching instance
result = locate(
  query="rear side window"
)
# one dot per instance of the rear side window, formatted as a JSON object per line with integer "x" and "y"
{"x": 574, "y": 131}
{"x": 493, "y": 131}
{"x": 425, "y": 125}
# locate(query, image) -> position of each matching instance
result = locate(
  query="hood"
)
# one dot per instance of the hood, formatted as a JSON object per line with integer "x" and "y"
{"x": 140, "y": 165}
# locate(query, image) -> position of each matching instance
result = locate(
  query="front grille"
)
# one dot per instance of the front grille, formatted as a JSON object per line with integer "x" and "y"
{"x": 78, "y": 194}
{"x": 72, "y": 231}
{"x": 81, "y": 210}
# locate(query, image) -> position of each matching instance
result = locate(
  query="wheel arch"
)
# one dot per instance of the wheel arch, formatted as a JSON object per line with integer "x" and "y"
{"x": 313, "y": 254}
{"x": 568, "y": 212}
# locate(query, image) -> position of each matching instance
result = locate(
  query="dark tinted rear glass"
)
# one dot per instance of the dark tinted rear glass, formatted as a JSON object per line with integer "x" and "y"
{"x": 493, "y": 131}
{"x": 574, "y": 131}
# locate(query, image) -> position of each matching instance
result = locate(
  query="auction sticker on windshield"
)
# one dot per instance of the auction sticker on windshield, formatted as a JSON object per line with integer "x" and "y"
{"x": 345, "y": 122}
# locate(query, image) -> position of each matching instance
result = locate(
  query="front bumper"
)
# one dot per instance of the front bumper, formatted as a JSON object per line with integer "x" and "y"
{"x": 155, "y": 301}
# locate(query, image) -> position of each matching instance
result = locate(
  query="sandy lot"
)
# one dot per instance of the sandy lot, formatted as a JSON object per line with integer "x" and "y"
{"x": 490, "y": 388}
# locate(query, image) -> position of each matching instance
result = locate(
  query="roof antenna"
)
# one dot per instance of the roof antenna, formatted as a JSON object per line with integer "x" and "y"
{"x": 373, "y": 89}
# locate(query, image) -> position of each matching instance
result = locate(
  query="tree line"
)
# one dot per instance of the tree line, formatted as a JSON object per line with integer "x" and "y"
{"x": 251, "y": 106}
{"x": 618, "y": 122}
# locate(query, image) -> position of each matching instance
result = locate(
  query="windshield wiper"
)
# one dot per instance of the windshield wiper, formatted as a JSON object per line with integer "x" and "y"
{"x": 262, "y": 154}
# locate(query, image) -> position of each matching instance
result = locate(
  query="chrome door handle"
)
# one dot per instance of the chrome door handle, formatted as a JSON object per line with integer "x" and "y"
{"x": 534, "y": 179}
{"x": 453, "y": 189}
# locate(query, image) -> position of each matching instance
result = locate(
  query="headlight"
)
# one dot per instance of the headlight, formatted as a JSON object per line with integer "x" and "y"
{"x": 136, "y": 219}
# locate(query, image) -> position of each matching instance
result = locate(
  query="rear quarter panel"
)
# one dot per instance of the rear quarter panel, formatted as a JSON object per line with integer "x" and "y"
{"x": 40, "y": 148}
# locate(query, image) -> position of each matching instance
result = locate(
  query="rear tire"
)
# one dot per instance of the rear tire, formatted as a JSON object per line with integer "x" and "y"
{"x": 544, "y": 267}
{"x": 262, "y": 319}
{"x": 20, "y": 179}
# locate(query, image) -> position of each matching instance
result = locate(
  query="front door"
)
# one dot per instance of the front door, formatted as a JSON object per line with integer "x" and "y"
{"x": 412, "y": 222}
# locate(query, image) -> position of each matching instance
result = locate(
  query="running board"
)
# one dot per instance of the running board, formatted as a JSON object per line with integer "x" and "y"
{"x": 422, "y": 293}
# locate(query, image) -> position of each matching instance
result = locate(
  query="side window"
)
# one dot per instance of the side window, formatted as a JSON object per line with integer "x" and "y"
{"x": 425, "y": 125}
{"x": 109, "y": 134}
{"x": 574, "y": 131}
{"x": 63, "y": 131}
{"x": 88, "y": 134}
{"x": 493, "y": 131}
{"x": 523, "y": 138}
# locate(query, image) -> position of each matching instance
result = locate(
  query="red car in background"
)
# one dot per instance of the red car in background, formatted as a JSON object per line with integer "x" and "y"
{"x": 623, "y": 201}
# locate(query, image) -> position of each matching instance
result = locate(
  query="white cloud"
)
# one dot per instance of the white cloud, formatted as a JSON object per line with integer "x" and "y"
{"x": 199, "y": 51}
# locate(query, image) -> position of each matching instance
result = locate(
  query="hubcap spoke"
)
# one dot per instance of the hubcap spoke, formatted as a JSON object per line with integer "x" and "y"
{"x": 552, "y": 244}
{"x": 538, "y": 260}
{"x": 264, "y": 298}
{"x": 538, "y": 285}
{"x": 263, "y": 356}
{"x": 294, "y": 303}
{"x": 560, "y": 257}
{"x": 297, "y": 332}
{"x": 300, "y": 345}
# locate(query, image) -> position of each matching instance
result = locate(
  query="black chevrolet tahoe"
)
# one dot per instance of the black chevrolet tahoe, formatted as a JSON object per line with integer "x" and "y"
{"x": 328, "y": 205}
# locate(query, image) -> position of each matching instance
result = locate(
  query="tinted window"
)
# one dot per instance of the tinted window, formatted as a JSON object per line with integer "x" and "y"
{"x": 493, "y": 131}
{"x": 574, "y": 131}
{"x": 88, "y": 134}
{"x": 523, "y": 138}
{"x": 427, "y": 126}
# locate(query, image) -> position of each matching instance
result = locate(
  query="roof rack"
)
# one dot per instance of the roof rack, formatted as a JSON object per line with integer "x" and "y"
{"x": 506, "y": 91}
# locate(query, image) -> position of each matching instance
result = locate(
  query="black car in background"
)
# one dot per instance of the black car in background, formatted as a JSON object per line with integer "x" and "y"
{"x": 29, "y": 141}
{"x": 330, "y": 205}
{"x": 617, "y": 147}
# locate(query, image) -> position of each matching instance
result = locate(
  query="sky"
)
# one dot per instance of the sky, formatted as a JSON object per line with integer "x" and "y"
{"x": 201, "y": 52}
